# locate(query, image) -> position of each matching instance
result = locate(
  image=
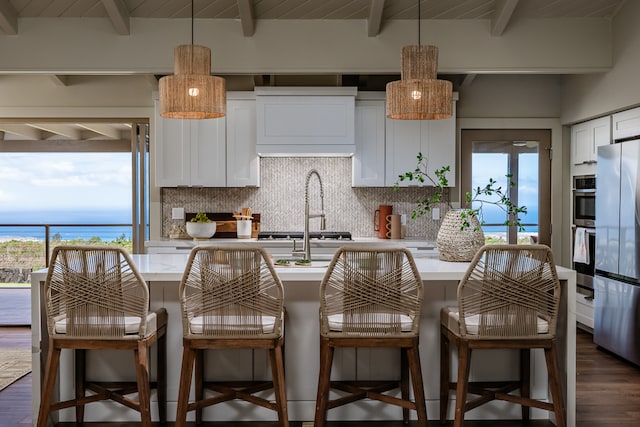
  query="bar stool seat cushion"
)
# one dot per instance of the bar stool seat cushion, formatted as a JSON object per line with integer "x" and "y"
{"x": 450, "y": 317}
{"x": 131, "y": 324}
{"x": 376, "y": 320}
{"x": 232, "y": 323}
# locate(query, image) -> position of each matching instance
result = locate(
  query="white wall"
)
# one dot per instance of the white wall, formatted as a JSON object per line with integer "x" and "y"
{"x": 511, "y": 95}
{"x": 41, "y": 91}
{"x": 592, "y": 95}
{"x": 67, "y": 46}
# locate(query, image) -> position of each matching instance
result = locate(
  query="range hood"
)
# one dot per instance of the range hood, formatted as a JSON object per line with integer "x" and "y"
{"x": 309, "y": 121}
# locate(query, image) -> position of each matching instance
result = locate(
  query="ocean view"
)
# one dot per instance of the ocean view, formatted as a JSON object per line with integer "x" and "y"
{"x": 104, "y": 233}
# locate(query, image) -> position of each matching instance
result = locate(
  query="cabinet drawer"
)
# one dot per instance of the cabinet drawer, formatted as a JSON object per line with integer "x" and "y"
{"x": 584, "y": 309}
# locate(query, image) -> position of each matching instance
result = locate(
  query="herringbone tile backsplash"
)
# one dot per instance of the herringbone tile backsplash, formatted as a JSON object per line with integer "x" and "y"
{"x": 280, "y": 199}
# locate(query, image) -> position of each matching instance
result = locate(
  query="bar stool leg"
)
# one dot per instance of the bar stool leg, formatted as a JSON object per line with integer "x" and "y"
{"x": 80, "y": 372}
{"x": 279, "y": 385}
{"x": 550, "y": 355}
{"x": 142, "y": 376}
{"x": 525, "y": 380}
{"x": 186, "y": 371}
{"x": 199, "y": 382}
{"x": 324, "y": 382}
{"x": 418, "y": 385}
{"x": 404, "y": 382}
{"x": 51, "y": 372}
{"x": 162, "y": 378}
{"x": 464, "y": 363}
{"x": 445, "y": 367}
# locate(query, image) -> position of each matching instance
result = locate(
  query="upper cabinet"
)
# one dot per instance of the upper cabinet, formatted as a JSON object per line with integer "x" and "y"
{"x": 435, "y": 139}
{"x": 243, "y": 163}
{"x": 305, "y": 121}
{"x": 211, "y": 152}
{"x": 626, "y": 124}
{"x": 586, "y": 138}
{"x": 189, "y": 152}
{"x": 368, "y": 159}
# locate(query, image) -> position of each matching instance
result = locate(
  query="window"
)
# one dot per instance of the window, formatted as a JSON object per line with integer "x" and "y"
{"x": 524, "y": 155}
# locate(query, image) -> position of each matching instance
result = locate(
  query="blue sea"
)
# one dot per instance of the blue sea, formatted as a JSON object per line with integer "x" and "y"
{"x": 79, "y": 231}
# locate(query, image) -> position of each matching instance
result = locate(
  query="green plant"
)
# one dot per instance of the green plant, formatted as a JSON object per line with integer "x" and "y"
{"x": 420, "y": 175}
{"x": 480, "y": 195}
{"x": 200, "y": 217}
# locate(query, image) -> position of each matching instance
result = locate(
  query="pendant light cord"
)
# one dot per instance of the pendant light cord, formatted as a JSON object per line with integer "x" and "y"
{"x": 419, "y": 22}
{"x": 192, "y": 22}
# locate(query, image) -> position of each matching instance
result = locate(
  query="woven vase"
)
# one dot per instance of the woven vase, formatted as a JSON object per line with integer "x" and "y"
{"x": 455, "y": 244}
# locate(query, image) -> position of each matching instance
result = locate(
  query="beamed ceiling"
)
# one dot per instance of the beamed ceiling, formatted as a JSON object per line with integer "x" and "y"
{"x": 249, "y": 13}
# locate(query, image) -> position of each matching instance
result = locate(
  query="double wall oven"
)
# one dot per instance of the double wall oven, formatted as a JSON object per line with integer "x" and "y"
{"x": 584, "y": 221}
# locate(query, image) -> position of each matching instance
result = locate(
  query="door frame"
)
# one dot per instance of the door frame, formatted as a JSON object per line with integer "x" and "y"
{"x": 468, "y": 136}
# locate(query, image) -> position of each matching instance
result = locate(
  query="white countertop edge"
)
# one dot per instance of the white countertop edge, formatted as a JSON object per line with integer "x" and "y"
{"x": 170, "y": 267}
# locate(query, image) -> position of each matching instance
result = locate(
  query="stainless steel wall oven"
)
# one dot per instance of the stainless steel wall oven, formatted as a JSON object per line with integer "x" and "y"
{"x": 584, "y": 219}
{"x": 584, "y": 201}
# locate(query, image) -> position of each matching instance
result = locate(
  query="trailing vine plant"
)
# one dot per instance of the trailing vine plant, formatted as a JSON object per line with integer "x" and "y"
{"x": 481, "y": 195}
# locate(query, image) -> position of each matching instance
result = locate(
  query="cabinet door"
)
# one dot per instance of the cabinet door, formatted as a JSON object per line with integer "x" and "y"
{"x": 368, "y": 160}
{"x": 402, "y": 146}
{"x": 581, "y": 143}
{"x": 172, "y": 151}
{"x": 587, "y": 137}
{"x": 440, "y": 146}
{"x": 601, "y": 134}
{"x": 243, "y": 163}
{"x": 208, "y": 153}
{"x": 626, "y": 123}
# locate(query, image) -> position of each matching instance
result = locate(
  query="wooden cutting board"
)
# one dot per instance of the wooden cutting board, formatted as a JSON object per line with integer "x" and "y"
{"x": 226, "y": 225}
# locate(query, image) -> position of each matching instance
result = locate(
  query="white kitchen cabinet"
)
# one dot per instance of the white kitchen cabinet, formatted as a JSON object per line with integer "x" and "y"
{"x": 586, "y": 137}
{"x": 305, "y": 121}
{"x": 243, "y": 163}
{"x": 189, "y": 152}
{"x": 626, "y": 124}
{"x": 435, "y": 139}
{"x": 368, "y": 162}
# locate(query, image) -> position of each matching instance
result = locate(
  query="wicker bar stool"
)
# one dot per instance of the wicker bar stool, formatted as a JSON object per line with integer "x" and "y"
{"x": 371, "y": 297}
{"x": 508, "y": 299}
{"x": 231, "y": 298}
{"x": 97, "y": 300}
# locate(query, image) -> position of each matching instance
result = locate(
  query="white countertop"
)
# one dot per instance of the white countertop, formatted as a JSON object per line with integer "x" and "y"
{"x": 170, "y": 267}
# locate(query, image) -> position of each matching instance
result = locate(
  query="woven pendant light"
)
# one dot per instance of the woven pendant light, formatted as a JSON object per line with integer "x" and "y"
{"x": 192, "y": 92}
{"x": 419, "y": 95}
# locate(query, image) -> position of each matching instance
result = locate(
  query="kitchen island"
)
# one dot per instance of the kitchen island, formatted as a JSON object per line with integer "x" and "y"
{"x": 163, "y": 273}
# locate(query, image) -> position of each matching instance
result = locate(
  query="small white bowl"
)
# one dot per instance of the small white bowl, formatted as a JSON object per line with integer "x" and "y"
{"x": 201, "y": 230}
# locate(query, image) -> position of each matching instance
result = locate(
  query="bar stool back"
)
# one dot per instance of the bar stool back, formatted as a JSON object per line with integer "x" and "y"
{"x": 231, "y": 297}
{"x": 371, "y": 297}
{"x": 508, "y": 299}
{"x": 97, "y": 300}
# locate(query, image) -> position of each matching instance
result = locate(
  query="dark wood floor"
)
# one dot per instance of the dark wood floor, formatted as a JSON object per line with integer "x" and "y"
{"x": 608, "y": 393}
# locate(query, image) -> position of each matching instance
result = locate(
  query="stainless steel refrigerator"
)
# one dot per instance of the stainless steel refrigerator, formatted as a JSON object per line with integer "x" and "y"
{"x": 617, "y": 256}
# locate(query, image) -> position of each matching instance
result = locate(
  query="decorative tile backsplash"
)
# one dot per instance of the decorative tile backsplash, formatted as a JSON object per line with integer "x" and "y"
{"x": 280, "y": 199}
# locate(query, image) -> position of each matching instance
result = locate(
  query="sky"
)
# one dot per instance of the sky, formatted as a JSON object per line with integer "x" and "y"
{"x": 39, "y": 182}
{"x": 495, "y": 166}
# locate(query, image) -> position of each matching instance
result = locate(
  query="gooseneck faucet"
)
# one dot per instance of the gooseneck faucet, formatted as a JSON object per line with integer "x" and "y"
{"x": 306, "y": 249}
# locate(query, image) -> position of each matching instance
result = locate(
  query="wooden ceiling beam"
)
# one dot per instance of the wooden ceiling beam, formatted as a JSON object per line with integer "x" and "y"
{"x": 245, "y": 10}
{"x": 374, "y": 23}
{"x": 502, "y": 17}
{"x": 68, "y": 131}
{"x": 8, "y": 18}
{"x": 58, "y": 79}
{"x": 119, "y": 15}
{"x": 468, "y": 79}
{"x": 102, "y": 129}
{"x": 24, "y": 131}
